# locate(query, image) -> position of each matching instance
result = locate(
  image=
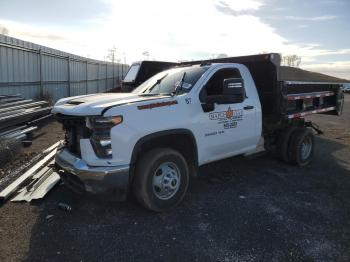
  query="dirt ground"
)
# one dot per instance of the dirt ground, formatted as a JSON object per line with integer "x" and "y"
{"x": 240, "y": 209}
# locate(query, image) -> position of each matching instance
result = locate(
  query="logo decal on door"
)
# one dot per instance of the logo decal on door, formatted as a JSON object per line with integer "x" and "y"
{"x": 236, "y": 114}
{"x": 229, "y": 113}
{"x": 228, "y": 118}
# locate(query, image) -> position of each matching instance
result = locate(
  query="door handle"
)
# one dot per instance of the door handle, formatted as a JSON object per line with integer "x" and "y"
{"x": 248, "y": 107}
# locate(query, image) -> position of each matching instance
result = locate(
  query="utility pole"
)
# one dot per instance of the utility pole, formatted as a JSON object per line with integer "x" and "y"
{"x": 111, "y": 56}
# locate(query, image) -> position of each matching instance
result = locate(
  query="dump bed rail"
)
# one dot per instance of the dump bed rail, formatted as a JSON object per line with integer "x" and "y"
{"x": 309, "y": 95}
{"x": 325, "y": 98}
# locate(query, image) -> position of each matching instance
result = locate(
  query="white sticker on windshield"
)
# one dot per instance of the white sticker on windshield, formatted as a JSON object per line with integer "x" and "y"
{"x": 184, "y": 85}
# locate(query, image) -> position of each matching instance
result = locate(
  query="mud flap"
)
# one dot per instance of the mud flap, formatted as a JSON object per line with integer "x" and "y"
{"x": 340, "y": 102}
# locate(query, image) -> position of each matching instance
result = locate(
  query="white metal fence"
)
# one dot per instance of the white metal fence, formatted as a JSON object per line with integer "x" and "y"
{"x": 36, "y": 71}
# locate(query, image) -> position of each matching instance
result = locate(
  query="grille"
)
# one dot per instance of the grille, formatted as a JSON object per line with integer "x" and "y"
{"x": 73, "y": 136}
{"x": 75, "y": 128}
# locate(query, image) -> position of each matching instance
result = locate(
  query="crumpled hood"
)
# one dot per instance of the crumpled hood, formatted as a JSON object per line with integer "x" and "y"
{"x": 88, "y": 105}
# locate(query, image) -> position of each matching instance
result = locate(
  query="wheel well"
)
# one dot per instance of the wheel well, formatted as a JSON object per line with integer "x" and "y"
{"x": 181, "y": 141}
{"x": 272, "y": 132}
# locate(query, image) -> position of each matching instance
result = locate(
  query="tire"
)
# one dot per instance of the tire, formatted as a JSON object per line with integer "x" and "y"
{"x": 301, "y": 147}
{"x": 283, "y": 142}
{"x": 161, "y": 179}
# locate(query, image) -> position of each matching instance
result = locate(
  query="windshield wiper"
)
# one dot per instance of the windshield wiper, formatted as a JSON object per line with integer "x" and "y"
{"x": 150, "y": 89}
{"x": 179, "y": 87}
{"x": 157, "y": 83}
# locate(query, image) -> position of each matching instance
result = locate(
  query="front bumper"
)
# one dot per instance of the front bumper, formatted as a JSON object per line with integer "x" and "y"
{"x": 109, "y": 181}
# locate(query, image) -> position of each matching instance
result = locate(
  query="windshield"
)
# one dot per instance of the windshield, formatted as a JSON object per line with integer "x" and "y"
{"x": 167, "y": 82}
{"x": 131, "y": 75}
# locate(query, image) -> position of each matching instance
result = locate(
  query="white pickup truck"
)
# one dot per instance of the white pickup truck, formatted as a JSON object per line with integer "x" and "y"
{"x": 149, "y": 142}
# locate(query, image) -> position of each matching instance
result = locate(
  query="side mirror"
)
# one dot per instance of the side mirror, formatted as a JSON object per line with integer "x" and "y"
{"x": 234, "y": 88}
{"x": 208, "y": 107}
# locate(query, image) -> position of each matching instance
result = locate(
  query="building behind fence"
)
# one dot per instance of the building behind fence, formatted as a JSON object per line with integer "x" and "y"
{"x": 36, "y": 71}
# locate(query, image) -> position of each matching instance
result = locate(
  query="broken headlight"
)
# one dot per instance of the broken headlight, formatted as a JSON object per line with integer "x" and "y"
{"x": 101, "y": 134}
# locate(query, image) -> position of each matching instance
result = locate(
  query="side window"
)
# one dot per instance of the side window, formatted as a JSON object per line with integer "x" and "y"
{"x": 215, "y": 84}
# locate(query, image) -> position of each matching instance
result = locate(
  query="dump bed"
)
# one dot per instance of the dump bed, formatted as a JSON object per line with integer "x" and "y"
{"x": 287, "y": 92}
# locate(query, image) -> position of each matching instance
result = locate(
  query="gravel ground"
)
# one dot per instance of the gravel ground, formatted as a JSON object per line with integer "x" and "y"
{"x": 241, "y": 209}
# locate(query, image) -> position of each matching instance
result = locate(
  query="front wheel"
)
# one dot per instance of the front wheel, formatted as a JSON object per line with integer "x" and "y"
{"x": 161, "y": 179}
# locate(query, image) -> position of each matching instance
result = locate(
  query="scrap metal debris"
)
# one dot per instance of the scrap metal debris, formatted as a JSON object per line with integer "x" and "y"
{"x": 38, "y": 187}
{"x": 18, "y": 116}
{"x": 36, "y": 181}
{"x": 49, "y": 216}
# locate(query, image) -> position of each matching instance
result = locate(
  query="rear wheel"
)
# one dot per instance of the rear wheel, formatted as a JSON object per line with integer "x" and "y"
{"x": 161, "y": 179}
{"x": 301, "y": 147}
{"x": 283, "y": 143}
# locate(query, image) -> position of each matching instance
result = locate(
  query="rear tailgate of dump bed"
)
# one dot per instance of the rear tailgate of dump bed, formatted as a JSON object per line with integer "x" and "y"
{"x": 300, "y": 99}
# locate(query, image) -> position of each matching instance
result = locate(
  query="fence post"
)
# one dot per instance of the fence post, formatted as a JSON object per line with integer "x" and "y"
{"x": 113, "y": 74}
{"x": 106, "y": 77}
{"x": 98, "y": 78}
{"x": 86, "y": 76}
{"x": 122, "y": 71}
{"x": 68, "y": 75}
{"x": 118, "y": 75}
{"x": 41, "y": 74}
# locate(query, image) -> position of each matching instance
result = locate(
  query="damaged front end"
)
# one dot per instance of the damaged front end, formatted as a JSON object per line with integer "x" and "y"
{"x": 87, "y": 140}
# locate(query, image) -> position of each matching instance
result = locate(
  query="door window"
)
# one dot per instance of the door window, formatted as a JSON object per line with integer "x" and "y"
{"x": 214, "y": 86}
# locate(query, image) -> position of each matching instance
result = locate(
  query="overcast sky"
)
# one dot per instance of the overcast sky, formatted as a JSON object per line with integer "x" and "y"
{"x": 316, "y": 30}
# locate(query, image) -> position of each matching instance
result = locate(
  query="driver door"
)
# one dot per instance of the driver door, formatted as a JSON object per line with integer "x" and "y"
{"x": 228, "y": 128}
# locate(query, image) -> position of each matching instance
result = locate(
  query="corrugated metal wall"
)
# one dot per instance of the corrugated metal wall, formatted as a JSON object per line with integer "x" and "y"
{"x": 37, "y": 71}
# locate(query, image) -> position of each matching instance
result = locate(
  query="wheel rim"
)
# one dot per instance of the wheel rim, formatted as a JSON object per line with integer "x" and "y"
{"x": 166, "y": 180}
{"x": 306, "y": 148}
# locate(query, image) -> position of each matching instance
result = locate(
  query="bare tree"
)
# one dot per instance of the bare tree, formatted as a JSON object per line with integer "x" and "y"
{"x": 291, "y": 60}
{"x": 222, "y": 55}
{"x": 146, "y": 55}
{"x": 4, "y": 30}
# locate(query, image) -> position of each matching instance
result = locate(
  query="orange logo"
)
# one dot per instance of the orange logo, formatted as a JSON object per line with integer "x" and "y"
{"x": 229, "y": 113}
